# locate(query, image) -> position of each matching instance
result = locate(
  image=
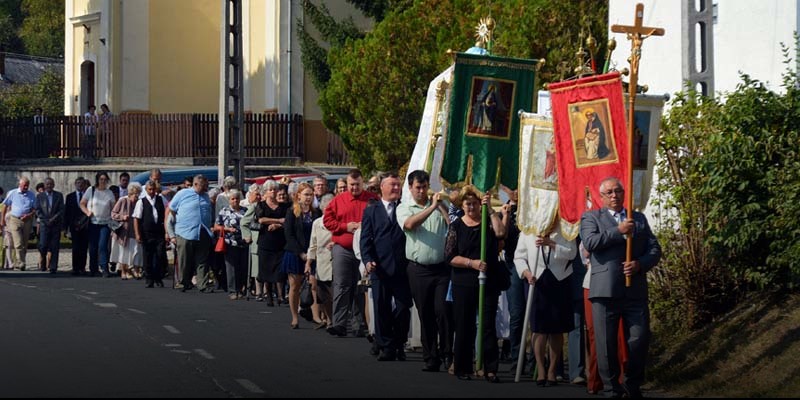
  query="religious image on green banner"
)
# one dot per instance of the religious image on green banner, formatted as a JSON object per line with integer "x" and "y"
{"x": 483, "y": 136}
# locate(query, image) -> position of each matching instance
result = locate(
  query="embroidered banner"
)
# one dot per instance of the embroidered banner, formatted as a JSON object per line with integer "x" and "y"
{"x": 591, "y": 143}
{"x": 647, "y": 124}
{"x": 538, "y": 178}
{"x": 483, "y": 133}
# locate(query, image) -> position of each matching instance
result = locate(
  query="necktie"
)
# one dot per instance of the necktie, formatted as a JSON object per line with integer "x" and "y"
{"x": 390, "y": 211}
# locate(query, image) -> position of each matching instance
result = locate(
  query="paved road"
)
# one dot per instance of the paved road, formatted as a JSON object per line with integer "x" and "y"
{"x": 92, "y": 337}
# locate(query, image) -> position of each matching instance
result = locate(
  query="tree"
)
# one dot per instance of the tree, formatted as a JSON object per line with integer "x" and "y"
{"x": 22, "y": 100}
{"x": 42, "y": 30}
{"x": 374, "y": 99}
{"x": 333, "y": 33}
{"x": 729, "y": 181}
{"x": 10, "y": 19}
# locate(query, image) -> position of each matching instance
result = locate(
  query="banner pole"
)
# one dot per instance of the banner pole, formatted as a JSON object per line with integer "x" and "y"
{"x": 482, "y": 290}
{"x": 526, "y": 321}
{"x": 635, "y": 35}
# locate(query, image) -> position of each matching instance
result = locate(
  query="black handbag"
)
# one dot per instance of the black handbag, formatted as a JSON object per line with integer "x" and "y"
{"x": 116, "y": 226}
{"x": 82, "y": 223}
{"x": 306, "y": 297}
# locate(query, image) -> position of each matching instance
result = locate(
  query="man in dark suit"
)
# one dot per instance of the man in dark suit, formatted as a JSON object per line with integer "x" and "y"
{"x": 604, "y": 233}
{"x": 79, "y": 235}
{"x": 383, "y": 253}
{"x": 50, "y": 215}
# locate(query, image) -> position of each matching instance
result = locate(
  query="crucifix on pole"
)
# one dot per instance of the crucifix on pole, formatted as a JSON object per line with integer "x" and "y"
{"x": 636, "y": 34}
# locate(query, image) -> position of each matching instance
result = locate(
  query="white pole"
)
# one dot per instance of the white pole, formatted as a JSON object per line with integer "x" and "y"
{"x": 525, "y": 322}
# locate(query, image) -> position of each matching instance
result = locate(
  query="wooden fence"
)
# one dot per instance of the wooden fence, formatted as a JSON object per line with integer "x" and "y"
{"x": 146, "y": 135}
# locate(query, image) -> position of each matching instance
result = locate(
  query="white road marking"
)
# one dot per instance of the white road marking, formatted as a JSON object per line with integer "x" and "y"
{"x": 172, "y": 345}
{"x": 201, "y": 321}
{"x": 265, "y": 312}
{"x": 69, "y": 288}
{"x": 133, "y": 310}
{"x": 106, "y": 305}
{"x": 204, "y": 354}
{"x": 92, "y": 293}
{"x": 181, "y": 351}
{"x": 250, "y": 386}
{"x": 172, "y": 329}
{"x": 29, "y": 287}
{"x": 87, "y": 298}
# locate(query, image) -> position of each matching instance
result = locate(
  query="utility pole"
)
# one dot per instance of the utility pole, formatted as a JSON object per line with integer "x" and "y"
{"x": 231, "y": 143}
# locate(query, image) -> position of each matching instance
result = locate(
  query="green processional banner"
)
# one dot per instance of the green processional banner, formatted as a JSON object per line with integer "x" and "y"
{"x": 483, "y": 136}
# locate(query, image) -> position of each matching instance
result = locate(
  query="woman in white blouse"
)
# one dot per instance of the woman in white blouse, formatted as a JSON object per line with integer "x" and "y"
{"x": 551, "y": 315}
{"x": 97, "y": 204}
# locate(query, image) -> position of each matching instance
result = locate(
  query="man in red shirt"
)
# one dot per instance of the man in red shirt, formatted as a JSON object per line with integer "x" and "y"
{"x": 342, "y": 218}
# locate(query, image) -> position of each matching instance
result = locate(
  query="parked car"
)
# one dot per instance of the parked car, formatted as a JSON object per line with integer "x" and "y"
{"x": 172, "y": 177}
{"x": 299, "y": 178}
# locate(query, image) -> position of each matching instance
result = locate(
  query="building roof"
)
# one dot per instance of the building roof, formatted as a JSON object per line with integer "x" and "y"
{"x": 22, "y": 69}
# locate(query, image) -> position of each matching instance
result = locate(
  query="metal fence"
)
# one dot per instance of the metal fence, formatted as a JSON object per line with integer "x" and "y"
{"x": 146, "y": 135}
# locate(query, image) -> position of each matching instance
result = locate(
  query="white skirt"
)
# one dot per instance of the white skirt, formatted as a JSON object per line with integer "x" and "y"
{"x": 130, "y": 254}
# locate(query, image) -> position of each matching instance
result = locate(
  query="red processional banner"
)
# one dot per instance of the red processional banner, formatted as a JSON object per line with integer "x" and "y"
{"x": 591, "y": 142}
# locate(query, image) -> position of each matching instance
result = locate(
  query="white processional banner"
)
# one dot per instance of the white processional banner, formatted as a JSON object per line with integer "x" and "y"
{"x": 538, "y": 179}
{"x": 432, "y": 128}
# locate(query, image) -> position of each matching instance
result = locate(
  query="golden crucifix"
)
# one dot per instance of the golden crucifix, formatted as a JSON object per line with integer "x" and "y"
{"x": 636, "y": 34}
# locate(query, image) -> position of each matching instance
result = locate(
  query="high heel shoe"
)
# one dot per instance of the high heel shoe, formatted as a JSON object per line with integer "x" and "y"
{"x": 160, "y": 283}
{"x": 295, "y": 326}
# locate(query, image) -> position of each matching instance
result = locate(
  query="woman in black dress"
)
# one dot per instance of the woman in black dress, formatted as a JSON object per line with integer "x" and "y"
{"x": 271, "y": 240}
{"x": 551, "y": 315}
{"x": 462, "y": 250}
{"x": 297, "y": 229}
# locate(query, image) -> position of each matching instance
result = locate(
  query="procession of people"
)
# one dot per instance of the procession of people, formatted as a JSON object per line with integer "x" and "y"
{"x": 421, "y": 254}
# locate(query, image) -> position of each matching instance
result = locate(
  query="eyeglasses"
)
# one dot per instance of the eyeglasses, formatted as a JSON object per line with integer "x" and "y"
{"x": 608, "y": 193}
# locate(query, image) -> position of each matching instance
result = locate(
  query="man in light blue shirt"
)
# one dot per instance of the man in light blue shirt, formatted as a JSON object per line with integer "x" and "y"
{"x": 425, "y": 223}
{"x": 193, "y": 219}
{"x": 20, "y": 210}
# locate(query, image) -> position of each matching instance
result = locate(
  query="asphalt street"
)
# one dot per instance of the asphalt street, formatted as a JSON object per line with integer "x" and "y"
{"x": 65, "y": 336}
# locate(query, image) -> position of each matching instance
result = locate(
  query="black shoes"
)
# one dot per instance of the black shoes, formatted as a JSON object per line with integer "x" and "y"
{"x": 160, "y": 283}
{"x": 374, "y": 350}
{"x": 448, "y": 361}
{"x": 307, "y": 314}
{"x": 387, "y": 355}
{"x": 432, "y": 366}
{"x": 392, "y": 355}
{"x": 492, "y": 379}
{"x": 334, "y": 331}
